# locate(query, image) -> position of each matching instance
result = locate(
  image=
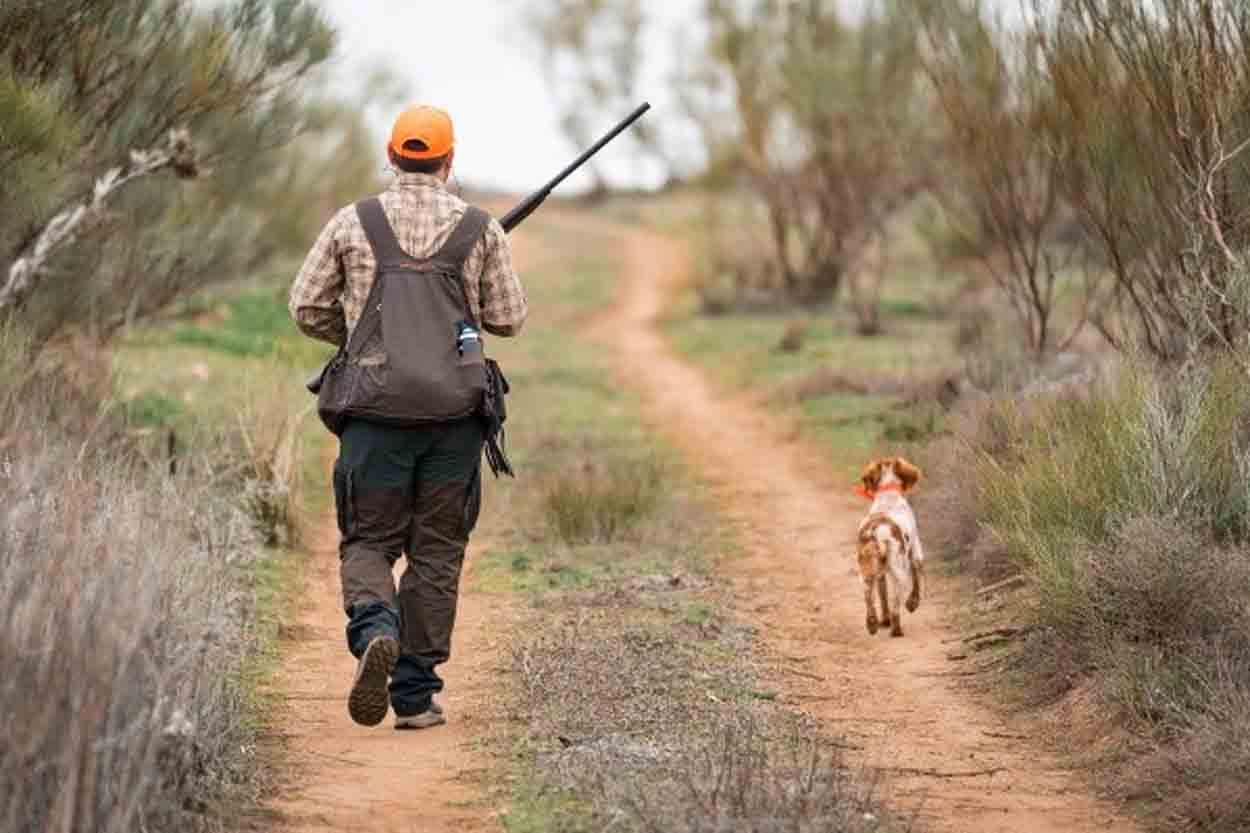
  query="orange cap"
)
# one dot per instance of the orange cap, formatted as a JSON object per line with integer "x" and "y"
{"x": 429, "y": 128}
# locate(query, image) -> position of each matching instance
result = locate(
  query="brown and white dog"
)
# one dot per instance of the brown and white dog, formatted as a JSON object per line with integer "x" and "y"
{"x": 890, "y": 555}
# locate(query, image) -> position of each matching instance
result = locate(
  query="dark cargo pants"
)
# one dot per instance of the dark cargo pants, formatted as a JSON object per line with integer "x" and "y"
{"x": 415, "y": 491}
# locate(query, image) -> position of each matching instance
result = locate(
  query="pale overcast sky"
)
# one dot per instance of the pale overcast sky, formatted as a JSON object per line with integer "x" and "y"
{"x": 473, "y": 58}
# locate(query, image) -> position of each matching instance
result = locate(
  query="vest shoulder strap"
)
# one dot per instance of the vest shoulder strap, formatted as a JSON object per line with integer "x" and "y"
{"x": 386, "y": 248}
{"x": 463, "y": 238}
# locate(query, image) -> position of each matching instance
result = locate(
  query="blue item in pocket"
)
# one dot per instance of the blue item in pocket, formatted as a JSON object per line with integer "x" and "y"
{"x": 468, "y": 339}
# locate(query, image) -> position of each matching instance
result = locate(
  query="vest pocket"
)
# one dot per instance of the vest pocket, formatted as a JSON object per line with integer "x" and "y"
{"x": 372, "y": 374}
{"x": 471, "y": 365}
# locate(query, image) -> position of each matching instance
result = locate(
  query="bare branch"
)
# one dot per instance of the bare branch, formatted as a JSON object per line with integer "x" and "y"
{"x": 177, "y": 154}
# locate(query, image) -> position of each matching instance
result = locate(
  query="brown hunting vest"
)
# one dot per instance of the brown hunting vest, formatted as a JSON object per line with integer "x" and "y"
{"x": 415, "y": 356}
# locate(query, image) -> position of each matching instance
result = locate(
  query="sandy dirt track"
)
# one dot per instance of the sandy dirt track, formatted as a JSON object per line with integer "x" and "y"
{"x": 957, "y": 765}
{"x": 351, "y": 778}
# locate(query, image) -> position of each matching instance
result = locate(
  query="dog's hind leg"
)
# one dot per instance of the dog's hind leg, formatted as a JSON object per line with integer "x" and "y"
{"x": 886, "y": 613}
{"x": 896, "y": 606}
{"x": 913, "y": 599}
{"x": 871, "y": 621}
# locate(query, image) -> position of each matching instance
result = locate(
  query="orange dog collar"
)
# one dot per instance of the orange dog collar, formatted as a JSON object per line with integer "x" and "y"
{"x": 871, "y": 494}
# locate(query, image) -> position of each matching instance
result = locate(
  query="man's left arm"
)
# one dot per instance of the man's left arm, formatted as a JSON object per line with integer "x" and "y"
{"x": 502, "y": 298}
{"x": 316, "y": 296}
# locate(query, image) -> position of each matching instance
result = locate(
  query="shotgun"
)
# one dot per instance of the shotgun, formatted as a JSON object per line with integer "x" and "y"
{"x": 527, "y": 206}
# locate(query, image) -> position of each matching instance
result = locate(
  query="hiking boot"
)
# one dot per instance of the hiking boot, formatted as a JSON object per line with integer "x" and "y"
{"x": 433, "y": 716}
{"x": 369, "y": 699}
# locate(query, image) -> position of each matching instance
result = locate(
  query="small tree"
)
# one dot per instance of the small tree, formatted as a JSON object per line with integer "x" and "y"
{"x": 1151, "y": 130}
{"x": 592, "y": 59}
{"x": 104, "y": 96}
{"x": 1001, "y": 181}
{"x": 826, "y": 131}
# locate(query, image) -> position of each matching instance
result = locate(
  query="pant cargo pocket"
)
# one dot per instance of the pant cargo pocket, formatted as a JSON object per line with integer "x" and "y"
{"x": 344, "y": 500}
{"x": 473, "y": 501}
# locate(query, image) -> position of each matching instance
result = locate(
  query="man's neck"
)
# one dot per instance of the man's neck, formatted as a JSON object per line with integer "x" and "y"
{"x": 407, "y": 180}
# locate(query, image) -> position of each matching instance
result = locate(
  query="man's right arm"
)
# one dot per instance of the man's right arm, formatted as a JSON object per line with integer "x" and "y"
{"x": 503, "y": 304}
{"x": 316, "y": 295}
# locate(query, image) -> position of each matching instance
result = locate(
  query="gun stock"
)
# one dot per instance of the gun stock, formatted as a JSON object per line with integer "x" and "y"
{"x": 528, "y": 205}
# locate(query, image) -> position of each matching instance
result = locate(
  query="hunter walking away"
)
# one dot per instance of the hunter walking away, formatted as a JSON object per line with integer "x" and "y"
{"x": 405, "y": 284}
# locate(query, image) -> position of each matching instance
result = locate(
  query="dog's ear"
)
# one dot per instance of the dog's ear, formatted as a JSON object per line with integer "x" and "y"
{"x": 871, "y": 475}
{"x": 908, "y": 473}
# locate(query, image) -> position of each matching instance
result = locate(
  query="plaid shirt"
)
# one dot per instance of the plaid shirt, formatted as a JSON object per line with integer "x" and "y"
{"x": 330, "y": 290}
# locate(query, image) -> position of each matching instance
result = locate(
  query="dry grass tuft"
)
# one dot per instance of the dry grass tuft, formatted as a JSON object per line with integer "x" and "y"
{"x": 123, "y": 627}
{"x": 122, "y": 632}
{"x": 602, "y": 499}
{"x": 267, "y": 441}
{"x": 759, "y": 778}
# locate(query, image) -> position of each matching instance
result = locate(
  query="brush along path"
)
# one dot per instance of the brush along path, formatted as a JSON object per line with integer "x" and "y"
{"x": 958, "y": 765}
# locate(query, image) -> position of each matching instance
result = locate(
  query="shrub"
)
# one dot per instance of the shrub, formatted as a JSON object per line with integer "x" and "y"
{"x": 1133, "y": 83}
{"x": 121, "y": 634}
{"x": 994, "y": 357}
{"x": 1127, "y": 505}
{"x": 199, "y": 91}
{"x": 267, "y": 442}
{"x": 123, "y": 619}
{"x": 745, "y": 780}
{"x": 822, "y": 116}
{"x": 602, "y": 501}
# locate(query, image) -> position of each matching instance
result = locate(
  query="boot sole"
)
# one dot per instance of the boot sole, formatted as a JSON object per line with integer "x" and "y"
{"x": 369, "y": 699}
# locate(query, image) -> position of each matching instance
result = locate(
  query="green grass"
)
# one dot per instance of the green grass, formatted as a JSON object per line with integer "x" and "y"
{"x": 698, "y": 613}
{"x": 529, "y": 571}
{"x": 249, "y": 322}
{"x": 741, "y": 349}
{"x": 272, "y": 578}
{"x": 739, "y": 352}
{"x": 153, "y": 409}
{"x": 542, "y": 810}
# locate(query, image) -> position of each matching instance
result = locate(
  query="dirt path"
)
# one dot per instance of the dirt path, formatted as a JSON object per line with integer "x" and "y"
{"x": 346, "y": 777}
{"x": 894, "y": 700}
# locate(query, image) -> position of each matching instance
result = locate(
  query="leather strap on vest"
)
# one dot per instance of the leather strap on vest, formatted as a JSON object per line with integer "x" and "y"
{"x": 386, "y": 248}
{"x": 463, "y": 238}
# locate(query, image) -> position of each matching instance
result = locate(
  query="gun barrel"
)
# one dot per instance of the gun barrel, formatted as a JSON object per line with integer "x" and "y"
{"x": 514, "y": 217}
{"x": 598, "y": 146}
{"x": 522, "y": 210}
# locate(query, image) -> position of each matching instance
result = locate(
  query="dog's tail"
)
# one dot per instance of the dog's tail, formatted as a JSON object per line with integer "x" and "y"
{"x": 885, "y": 538}
{"x": 875, "y": 540}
